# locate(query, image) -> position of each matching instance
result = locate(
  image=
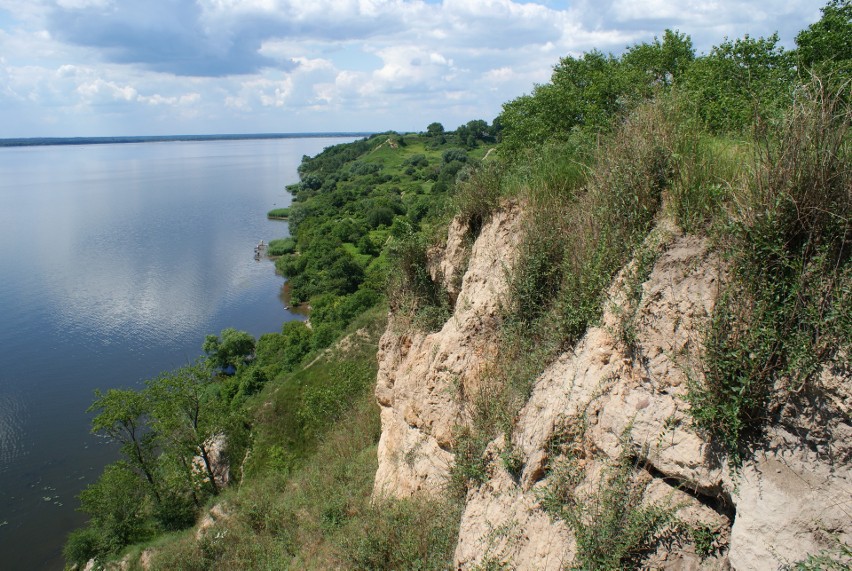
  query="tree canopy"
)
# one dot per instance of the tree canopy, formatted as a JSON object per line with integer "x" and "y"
{"x": 827, "y": 44}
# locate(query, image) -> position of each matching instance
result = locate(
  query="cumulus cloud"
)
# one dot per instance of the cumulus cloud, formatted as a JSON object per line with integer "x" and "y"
{"x": 100, "y": 91}
{"x": 212, "y": 37}
{"x": 285, "y": 65}
{"x": 162, "y": 35}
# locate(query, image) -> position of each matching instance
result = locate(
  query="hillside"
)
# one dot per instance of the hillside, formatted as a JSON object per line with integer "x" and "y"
{"x": 617, "y": 341}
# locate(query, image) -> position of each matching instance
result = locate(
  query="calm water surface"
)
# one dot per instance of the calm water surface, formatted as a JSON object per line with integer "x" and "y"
{"x": 115, "y": 261}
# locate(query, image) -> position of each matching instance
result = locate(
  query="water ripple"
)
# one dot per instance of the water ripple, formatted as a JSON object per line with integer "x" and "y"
{"x": 12, "y": 413}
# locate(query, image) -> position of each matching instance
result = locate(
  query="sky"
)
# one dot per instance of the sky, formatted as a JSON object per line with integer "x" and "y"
{"x": 174, "y": 67}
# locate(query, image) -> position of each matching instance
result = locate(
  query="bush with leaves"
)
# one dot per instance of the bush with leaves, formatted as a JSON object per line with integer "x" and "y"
{"x": 825, "y": 46}
{"x": 231, "y": 348}
{"x": 116, "y": 505}
{"x": 785, "y": 314}
{"x": 741, "y": 80}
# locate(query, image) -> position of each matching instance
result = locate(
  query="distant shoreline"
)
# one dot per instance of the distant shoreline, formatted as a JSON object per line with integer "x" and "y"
{"x": 46, "y": 141}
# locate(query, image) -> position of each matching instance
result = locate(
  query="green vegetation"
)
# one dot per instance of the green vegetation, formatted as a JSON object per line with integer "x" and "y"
{"x": 748, "y": 145}
{"x": 281, "y": 247}
{"x": 597, "y": 154}
{"x": 614, "y": 529}
{"x": 279, "y": 213}
{"x": 167, "y": 433}
{"x": 358, "y": 206}
{"x": 355, "y": 210}
{"x": 304, "y": 500}
{"x": 231, "y": 348}
{"x": 836, "y": 559}
{"x": 785, "y": 314}
{"x": 824, "y": 47}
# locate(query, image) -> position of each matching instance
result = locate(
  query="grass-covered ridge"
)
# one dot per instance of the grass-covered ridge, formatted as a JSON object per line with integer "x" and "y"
{"x": 353, "y": 201}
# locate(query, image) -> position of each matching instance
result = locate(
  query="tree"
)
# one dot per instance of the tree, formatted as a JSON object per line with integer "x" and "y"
{"x": 583, "y": 92}
{"x": 741, "y": 80}
{"x": 115, "y": 504}
{"x": 284, "y": 351}
{"x": 187, "y": 414}
{"x": 122, "y": 417}
{"x": 451, "y": 155}
{"x": 231, "y": 348}
{"x": 827, "y": 44}
{"x": 435, "y": 130}
{"x": 661, "y": 63}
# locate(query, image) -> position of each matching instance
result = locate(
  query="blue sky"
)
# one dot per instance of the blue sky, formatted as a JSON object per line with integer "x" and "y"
{"x": 150, "y": 67}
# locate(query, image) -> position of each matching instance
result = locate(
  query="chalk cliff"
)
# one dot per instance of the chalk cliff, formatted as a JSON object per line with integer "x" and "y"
{"x": 617, "y": 398}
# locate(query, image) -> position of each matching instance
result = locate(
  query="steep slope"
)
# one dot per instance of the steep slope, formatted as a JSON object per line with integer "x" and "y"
{"x": 606, "y": 435}
{"x": 422, "y": 374}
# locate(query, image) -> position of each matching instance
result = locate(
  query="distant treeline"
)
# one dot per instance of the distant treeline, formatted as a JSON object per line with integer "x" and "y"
{"x": 42, "y": 141}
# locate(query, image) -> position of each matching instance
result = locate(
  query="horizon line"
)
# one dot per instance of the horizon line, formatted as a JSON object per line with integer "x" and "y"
{"x": 122, "y": 139}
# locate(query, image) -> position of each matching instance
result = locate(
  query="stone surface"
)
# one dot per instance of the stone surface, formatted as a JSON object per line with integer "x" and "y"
{"x": 216, "y": 514}
{"x": 503, "y": 525}
{"x": 790, "y": 502}
{"x": 422, "y": 375}
{"x": 625, "y": 384}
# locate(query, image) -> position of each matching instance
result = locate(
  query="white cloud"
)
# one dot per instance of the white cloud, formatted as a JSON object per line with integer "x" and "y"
{"x": 307, "y": 65}
{"x": 245, "y": 65}
{"x": 100, "y": 91}
{"x": 157, "y": 99}
{"x": 499, "y": 74}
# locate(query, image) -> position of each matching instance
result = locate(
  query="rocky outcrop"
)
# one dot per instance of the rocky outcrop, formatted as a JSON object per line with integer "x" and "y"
{"x": 216, "y": 449}
{"x": 421, "y": 374}
{"x": 619, "y": 394}
{"x": 612, "y": 384}
{"x": 794, "y": 495}
{"x": 218, "y": 513}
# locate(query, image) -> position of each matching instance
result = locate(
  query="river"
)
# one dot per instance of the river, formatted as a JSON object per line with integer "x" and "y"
{"x": 115, "y": 261}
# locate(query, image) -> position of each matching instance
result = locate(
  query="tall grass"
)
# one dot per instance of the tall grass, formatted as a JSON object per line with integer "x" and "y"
{"x": 279, "y": 213}
{"x": 785, "y": 314}
{"x": 585, "y": 215}
{"x": 411, "y": 290}
{"x": 281, "y": 247}
{"x": 708, "y": 170}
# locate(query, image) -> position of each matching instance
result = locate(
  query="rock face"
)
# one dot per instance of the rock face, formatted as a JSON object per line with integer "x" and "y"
{"x": 216, "y": 447}
{"x": 420, "y": 375}
{"x": 620, "y": 393}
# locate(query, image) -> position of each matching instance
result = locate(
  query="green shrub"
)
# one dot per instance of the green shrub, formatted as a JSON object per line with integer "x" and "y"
{"x": 322, "y": 404}
{"x": 280, "y": 213}
{"x": 612, "y": 527}
{"x": 477, "y": 196}
{"x": 281, "y": 247}
{"x": 278, "y": 352}
{"x": 470, "y": 467}
{"x": 175, "y": 511}
{"x": 411, "y": 289}
{"x": 740, "y": 81}
{"x": 416, "y": 535}
{"x": 230, "y": 348}
{"x": 83, "y": 544}
{"x": 785, "y": 313}
{"x": 116, "y": 504}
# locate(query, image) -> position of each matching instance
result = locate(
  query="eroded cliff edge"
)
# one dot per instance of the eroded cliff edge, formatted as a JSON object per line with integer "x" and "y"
{"x": 421, "y": 375}
{"x": 617, "y": 398}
